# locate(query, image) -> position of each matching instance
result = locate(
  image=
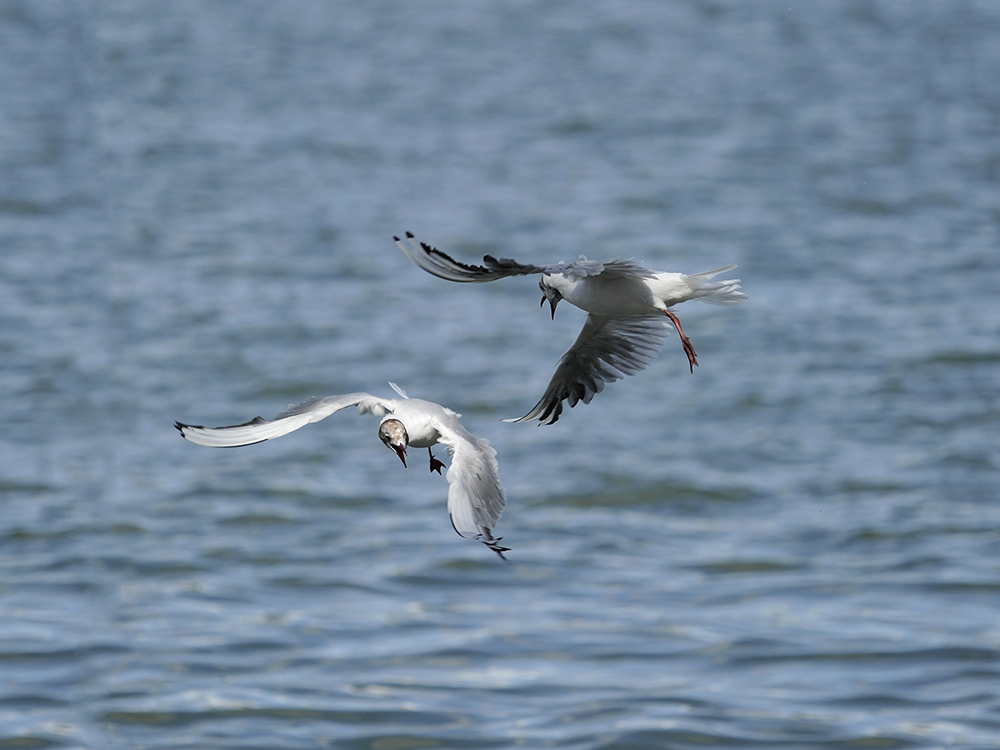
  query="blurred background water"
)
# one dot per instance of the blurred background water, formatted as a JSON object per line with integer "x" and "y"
{"x": 795, "y": 547}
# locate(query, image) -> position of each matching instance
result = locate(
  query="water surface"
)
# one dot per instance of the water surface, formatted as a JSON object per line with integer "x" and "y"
{"x": 794, "y": 547}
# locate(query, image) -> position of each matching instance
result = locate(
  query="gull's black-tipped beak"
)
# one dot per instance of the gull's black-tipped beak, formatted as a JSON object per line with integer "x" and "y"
{"x": 553, "y": 301}
{"x": 542, "y": 303}
{"x": 400, "y": 451}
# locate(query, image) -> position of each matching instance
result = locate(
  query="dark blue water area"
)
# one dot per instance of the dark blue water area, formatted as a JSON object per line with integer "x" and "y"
{"x": 794, "y": 547}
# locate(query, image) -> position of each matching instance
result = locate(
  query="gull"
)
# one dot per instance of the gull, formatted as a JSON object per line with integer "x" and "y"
{"x": 476, "y": 498}
{"x": 626, "y": 305}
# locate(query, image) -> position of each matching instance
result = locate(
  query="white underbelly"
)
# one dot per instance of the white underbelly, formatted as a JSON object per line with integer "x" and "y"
{"x": 614, "y": 298}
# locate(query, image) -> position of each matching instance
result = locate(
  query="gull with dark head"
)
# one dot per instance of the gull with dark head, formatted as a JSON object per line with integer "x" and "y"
{"x": 627, "y": 305}
{"x": 476, "y": 498}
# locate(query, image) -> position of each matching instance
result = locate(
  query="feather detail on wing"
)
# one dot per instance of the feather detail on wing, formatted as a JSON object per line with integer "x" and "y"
{"x": 441, "y": 265}
{"x": 606, "y": 350}
{"x": 444, "y": 266}
{"x": 618, "y": 268}
{"x": 476, "y": 498}
{"x": 258, "y": 429}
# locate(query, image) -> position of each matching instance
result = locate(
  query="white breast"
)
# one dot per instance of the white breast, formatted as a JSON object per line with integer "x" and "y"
{"x": 612, "y": 297}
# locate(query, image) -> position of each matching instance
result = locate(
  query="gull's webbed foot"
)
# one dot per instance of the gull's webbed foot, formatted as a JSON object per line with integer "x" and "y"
{"x": 436, "y": 465}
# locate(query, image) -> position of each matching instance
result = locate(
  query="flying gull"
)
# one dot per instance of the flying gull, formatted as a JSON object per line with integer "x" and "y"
{"x": 475, "y": 496}
{"x": 625, "y": 327}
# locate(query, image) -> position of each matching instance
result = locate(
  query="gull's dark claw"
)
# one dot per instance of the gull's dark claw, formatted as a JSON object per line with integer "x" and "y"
{"x": 436, "y": 465}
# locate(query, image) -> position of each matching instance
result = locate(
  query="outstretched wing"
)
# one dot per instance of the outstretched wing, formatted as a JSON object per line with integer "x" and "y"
{"x": 435, "y": 262}
{"x": 606, "y": 350}
{"x": 258, "y": 429}
{"x": 476, "y": 498}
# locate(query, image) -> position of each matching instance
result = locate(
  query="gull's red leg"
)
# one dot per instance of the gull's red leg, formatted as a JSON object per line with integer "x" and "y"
{"x": 688, "y": 347}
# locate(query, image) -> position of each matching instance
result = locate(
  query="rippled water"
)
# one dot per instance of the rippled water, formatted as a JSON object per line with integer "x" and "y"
{"x": 794, "y": 547}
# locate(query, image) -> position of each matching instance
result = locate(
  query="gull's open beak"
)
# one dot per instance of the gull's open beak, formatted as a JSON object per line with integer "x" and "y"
{"x": 401, "y": 452}
{"x": 553, "y": 301}
{"x": 550, "y": 294}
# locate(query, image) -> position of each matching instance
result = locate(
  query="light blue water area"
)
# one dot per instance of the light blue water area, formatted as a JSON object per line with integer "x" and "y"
{"x": 795, "y": 547}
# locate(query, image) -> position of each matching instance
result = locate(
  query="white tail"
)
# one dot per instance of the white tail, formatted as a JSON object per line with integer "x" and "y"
{"x": 725, "y": 292}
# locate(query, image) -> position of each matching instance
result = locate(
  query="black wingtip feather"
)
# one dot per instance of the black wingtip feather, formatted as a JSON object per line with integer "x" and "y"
{"x": 493, "y": 544}
{"x": 410, "y": 235}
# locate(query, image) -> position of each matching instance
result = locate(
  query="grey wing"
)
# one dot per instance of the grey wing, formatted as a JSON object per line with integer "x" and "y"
{"x": 618, "y": 268}
{"x": 259, "y": 429}
{"x": 476, "y": 498}
{"x": 441, "y": 265}
{"x": 606, "y": 350}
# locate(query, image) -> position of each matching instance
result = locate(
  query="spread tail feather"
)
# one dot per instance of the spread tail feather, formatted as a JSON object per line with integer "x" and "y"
{"x": 725, "y": 292}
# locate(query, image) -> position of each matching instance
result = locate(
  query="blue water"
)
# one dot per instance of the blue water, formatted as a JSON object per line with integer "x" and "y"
{"x": 795, "y": 547}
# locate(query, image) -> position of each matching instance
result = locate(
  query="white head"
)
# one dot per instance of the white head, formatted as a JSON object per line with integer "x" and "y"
{"x": 552, "y": 294}
{"x": 393, "y": 434}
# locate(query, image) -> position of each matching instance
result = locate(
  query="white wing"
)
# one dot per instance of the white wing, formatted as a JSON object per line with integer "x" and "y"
{"x": 443, "y": 266}
{"x": 476, "y": 498}
{"x": 259, "y": 429}
{"x": 606, "y": 350}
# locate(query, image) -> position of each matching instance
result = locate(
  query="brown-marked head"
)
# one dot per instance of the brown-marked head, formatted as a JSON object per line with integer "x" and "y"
{"x": 393, "y": 434}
